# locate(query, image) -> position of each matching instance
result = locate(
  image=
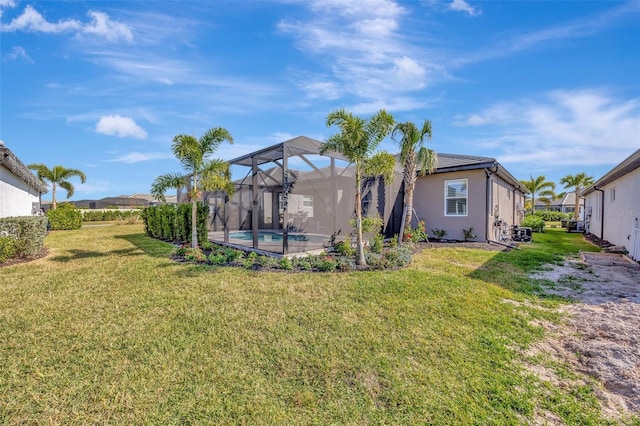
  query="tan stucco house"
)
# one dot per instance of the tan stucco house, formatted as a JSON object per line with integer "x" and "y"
{"x": 290, "y": 199}
{"x": 612, "y": 205}
{"x": 20, "y": 190}
{"x": 469, "y": 192}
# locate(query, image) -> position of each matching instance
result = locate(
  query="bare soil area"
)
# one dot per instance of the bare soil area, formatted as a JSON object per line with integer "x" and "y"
{"x": 601, "y": 334}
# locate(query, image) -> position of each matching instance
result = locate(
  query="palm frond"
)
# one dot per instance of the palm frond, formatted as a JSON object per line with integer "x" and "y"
{"x": 67, "y": 186}
{"x": 381, "y": 164}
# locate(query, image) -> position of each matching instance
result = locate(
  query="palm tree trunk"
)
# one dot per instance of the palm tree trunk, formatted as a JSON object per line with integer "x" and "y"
{"x": 360, "y": 260}
{"x": 408, "y": 201}
{"x": 54, "y": 205}
{"x": 576, "y": 211}
{"x": 194, "y": 213}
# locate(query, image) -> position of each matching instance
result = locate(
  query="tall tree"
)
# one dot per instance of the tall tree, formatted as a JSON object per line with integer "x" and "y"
{"x": 539, "y": 186}
{"x": 57, "y": 177}
{"x": 357, "y": 141}
{"x": 577, "y": 182}
{"x": 415, "y": 158}
{"x": 202, "y": 174}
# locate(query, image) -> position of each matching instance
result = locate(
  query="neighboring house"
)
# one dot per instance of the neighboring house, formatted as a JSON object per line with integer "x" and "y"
{"x": 564, "y": 204}
{"x": 293, "y": 199}
{"x": 612, "y": 205}
{"x": 20, "y": 190}
{"x": 469, "y": 192}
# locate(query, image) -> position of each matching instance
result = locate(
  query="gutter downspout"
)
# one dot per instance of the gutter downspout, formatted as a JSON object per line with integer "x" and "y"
{"x": 601, "y": 212}
{"x": 488, "y": 171}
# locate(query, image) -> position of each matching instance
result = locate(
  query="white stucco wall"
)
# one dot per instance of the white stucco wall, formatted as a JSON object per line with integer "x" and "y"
{"x": 16, "y": 197}
{"x": 618, "y": 214}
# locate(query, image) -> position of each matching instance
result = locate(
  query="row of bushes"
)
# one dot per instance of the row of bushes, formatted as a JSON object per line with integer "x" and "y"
{"x": 552, "y": 216}
{"x": 22, "y": 236}
{"x": 171, "y": 222}
{"x": 389, "y": 257}
{"x": 64, "y": 218}
{"x": 104, "y": 215}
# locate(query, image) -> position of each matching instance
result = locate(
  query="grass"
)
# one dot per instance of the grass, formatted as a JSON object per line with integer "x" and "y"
{"x": 107, "y": 329}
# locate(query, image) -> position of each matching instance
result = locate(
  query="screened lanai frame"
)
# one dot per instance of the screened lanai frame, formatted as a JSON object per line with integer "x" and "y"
{"x": 304, "y": 201}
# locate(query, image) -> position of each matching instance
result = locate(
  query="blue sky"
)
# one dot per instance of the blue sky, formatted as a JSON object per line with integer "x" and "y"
{"x": 546, "y": 87}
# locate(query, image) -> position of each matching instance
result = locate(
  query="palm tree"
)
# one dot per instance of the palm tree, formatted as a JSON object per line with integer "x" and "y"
{"x": 166, "y": 181}
{"x": 358, "y": 140}
{"x": 57, "y": 176}
{"x": 578, "y": 183}
{"x": 541, "y": 187}
{"x": 416, "y": 158}
{"x": 203, "y": 174}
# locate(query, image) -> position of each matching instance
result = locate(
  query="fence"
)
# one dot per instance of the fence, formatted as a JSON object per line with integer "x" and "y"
{"x": 634, "y": 252}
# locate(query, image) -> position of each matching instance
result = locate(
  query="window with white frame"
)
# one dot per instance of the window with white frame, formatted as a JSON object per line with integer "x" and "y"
{"x": 613, "y": 194}
{"x": 456, "y": 196}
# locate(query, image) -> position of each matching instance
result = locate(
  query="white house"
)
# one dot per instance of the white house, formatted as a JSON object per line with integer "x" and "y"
{"x": 612, "y": 205}
{"x": 20, "y": 190}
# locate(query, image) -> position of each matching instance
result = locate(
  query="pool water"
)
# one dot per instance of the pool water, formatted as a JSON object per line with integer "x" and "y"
{"x": 267, "y": 236}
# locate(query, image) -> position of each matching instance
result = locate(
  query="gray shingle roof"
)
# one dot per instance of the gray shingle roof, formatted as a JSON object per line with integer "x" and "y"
{"x": 9, "y": 160}
{"x": 446, "y": 161}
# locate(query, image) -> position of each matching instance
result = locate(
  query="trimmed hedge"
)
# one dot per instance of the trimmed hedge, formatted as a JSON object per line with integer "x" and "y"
{"x": 534, "y": 222}
{"x": 104, "y": 215}
{"x": 171, "y": 222}
{"x": 27, "y": 232}
{"x": 64, "y": 219}
{"x": 552, "y": 216}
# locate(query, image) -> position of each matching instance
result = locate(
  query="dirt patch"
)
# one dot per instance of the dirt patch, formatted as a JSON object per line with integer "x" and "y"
{"x": 601, "y": 334}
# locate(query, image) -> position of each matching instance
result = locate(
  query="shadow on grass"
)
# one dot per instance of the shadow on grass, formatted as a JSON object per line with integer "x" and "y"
{"x": 511, "y": 269}
{"x": 77, "y": 254}
{"x": 148, "y": 245}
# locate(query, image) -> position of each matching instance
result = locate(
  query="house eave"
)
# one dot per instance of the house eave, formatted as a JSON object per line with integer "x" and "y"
{"x": 9, "y": 160}
{"x": 625, "y": 167}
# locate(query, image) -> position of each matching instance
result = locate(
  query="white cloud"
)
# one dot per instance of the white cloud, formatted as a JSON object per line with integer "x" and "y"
{"x": 17, "y": 53}
{"x": 563, "y": 127}
{"x": 120, "y": 126}
{"x": 364, "y": 49}
{"x": 137, "y": 157}
{"x": 463, "y": 6}
{"x": 32, "y": 21}
{"x": 6, "y": 4}
{"x": 101, "y": 25}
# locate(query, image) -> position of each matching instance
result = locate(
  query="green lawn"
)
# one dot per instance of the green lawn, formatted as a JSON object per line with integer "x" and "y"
{"x": 107, "y": 329}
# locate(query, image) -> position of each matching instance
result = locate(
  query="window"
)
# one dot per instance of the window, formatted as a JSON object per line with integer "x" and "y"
{"x": 455, "y": 197}
{"x": 307, "y": 200}
{"x": 613, "y": 194}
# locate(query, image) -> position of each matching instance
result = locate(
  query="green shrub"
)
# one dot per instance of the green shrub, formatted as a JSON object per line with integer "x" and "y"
{"x": 414, "y": 235}
{"x": 194, "y": 255}
{"x": 327, "y": 264}
{"x": 468, "y": 234}
{"x": 552, "y": 216}
{"x": 376, "y": 243}
{"x": 439, "y": 233}
{"x": 217, "y": 259}
{"x": 534, "y": 222}
{"x": 8, "y": 248}
{"x": 267, "y": 261}
{"x": 302, "y": 263}
{"x": 286, "y": 264}
{"x": 27, "y": 231}
{"x": 232, "y": 254}
{"x": 344, "y": 247}
{"x": 65, "y": 218}
{"x": 173, "y": 223}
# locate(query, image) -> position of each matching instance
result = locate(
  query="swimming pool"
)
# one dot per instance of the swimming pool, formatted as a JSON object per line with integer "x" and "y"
{"x": 269, "y": 236}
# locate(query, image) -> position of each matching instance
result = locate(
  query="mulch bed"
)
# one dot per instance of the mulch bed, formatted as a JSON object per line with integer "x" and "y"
{"x": 597, "y": 241}
{"x": 19, "y": 260}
